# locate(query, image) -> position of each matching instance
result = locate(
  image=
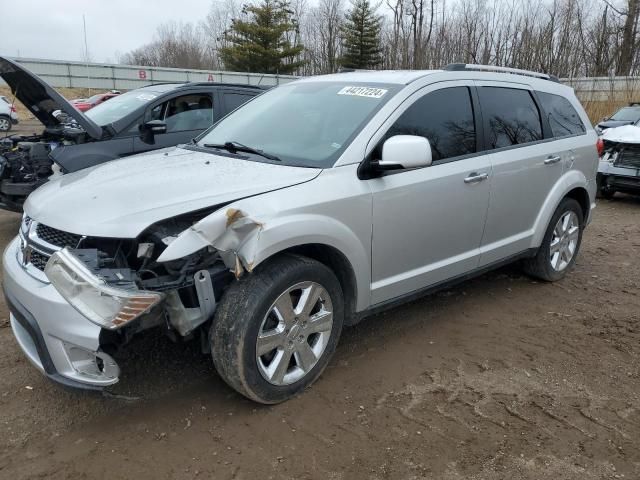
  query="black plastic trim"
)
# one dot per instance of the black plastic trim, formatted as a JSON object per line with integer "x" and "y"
{"x": 28, "y": 322}
{"x": 428, "y": 290}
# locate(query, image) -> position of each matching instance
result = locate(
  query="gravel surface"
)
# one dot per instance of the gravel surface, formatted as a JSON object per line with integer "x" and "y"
{"x": 499, "y": 378}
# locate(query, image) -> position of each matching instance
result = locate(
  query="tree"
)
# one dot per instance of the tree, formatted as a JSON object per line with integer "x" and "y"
{"x": 177, "y": 45}
{"x": 261, "y": 43}
{"x": 361, "y": 37}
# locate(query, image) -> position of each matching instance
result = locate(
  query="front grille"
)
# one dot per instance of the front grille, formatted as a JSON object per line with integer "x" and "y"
{"x": 57, "y": 237}
{"x": 38, "y": 260}
{"x": 629, "y": 157}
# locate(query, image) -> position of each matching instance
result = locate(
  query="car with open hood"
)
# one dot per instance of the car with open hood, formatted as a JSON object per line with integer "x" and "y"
{"x": 141, "y": 120}
{"x": 627, "y": 115}
{"x": 619, "y": 167}
{"x": 316, "y": 204}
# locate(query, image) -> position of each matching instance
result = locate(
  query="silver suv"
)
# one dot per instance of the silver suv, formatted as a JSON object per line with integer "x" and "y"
{"x": 309, "y": 208}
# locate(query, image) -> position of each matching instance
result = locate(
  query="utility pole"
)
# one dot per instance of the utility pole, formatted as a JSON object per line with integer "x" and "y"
{"x": 86, "y": 53}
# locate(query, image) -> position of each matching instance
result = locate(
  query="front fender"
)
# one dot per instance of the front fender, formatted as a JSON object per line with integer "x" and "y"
{"x": 569, "y": 181}
{"x": 245, "y": 240}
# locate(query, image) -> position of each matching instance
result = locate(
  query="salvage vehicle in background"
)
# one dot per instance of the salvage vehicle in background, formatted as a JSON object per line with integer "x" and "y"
{"x": 149, "y": 118}
{"x": 307, "y": 209}
{"x": 84, "y": 104}
{"x": 628, "y": 115}
{"x": 8, "y": 114}
{"x": 619, "y": 167}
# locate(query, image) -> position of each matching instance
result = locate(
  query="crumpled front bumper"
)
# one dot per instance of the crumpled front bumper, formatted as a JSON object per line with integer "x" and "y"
{"x": 57, "y": 339}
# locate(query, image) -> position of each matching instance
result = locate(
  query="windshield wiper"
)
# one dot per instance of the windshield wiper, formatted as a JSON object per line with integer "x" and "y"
{"x": 234, "y": 147}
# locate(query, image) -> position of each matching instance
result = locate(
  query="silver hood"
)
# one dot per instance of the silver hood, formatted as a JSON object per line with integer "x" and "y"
{"x": 122, "y": 198}
{"x": 625, "y": 134}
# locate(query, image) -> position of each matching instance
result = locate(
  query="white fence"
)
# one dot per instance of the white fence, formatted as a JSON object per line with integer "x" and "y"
{"x": 105, "y": 76}
{"x": 606, "y": 88}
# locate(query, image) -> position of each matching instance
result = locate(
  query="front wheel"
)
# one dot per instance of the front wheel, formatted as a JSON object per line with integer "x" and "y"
{"x": 560, "y": 245}
{"x": 275, "y": 330}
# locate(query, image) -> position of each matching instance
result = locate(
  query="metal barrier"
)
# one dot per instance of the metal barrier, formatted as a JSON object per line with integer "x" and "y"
{"x": 126, "y": 77}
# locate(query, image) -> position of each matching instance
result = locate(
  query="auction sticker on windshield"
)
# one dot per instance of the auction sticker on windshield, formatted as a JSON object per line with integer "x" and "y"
{"x": 369, "y": 92}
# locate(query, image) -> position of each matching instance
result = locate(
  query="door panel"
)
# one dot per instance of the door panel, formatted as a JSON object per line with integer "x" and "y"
{"x": 525, "y": 166}
{"x": 427, "y": 226}
{"x": 428, "y": 222}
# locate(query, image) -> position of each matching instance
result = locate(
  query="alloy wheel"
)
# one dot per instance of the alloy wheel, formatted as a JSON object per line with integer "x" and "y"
{"x": 294, "y": 333}
{"x": 564, "y": 241}
{"x": 4, "y": 124}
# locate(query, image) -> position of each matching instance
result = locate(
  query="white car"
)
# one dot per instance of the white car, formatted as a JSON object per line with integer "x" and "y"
{"x": 8, "y": 114}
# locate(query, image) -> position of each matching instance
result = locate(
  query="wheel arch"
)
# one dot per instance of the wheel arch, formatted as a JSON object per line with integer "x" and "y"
{"x": 339, "y": 265}
{"x": 572, "y": 184}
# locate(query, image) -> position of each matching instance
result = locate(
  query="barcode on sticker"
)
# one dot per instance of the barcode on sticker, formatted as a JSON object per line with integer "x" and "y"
{"x": 363, "y": 92}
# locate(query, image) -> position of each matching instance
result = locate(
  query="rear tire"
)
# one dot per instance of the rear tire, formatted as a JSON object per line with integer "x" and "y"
{"x": 5, "y": 123}
{"x": 561, "y": 243}
{"x": 607, "y": 192}
{"x": 271, "y": 338}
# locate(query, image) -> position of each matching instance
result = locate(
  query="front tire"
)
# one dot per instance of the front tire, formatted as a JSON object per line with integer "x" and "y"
{"x": 275, "y": 330}
{"x": 560, "y": 245}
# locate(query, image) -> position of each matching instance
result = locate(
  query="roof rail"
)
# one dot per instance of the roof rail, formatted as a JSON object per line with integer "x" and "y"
{"x": 490, "y": 68}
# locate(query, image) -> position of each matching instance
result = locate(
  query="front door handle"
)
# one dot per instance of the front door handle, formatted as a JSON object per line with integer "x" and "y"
{"x": 552, "y": 160}
{"x": 476, "y": 177}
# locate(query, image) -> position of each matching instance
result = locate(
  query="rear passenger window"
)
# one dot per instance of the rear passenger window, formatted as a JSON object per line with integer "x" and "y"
{"x": 445, "y": 118}
{"x": 563, "y": 118}
{"x": 512, "y": 116}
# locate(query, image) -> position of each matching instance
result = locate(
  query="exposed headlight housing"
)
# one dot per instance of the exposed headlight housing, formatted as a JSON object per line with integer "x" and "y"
{"x": 108, "y": 307}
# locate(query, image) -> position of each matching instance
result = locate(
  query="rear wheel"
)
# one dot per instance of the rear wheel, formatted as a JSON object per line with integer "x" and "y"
{"x": 5, "y": 123}
{"x": 275, "y": 330}
{"x": 560, "y": 245}
{"x": 607, "y": 192}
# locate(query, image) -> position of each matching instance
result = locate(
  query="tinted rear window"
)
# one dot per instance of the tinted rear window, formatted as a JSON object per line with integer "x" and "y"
{"x": 512, "y": 116}
{"x": 563, "y": 118}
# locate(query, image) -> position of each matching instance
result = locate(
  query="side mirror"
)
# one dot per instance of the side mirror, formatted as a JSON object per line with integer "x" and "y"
{"x": 151, "y": 128}
{"x": 405, "y": 151}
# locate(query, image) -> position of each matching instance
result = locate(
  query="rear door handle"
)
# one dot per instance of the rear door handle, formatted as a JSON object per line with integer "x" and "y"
{"x": 476, "y": 177}
{"x": 552, "y": 160}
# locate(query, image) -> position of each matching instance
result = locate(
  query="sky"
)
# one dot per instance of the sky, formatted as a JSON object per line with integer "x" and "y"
{"x": 52, "y": 29}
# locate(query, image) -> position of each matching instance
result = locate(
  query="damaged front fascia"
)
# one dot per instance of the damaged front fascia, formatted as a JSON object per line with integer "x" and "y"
{"x": 231, "y": 231}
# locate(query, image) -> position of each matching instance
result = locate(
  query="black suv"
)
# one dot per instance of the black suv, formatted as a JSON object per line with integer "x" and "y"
{"x": 149, "y": 118}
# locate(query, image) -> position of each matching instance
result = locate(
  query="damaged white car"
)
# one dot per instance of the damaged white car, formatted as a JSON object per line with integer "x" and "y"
{"x": 314, "y": 205}
{"x": 619, "y": 169}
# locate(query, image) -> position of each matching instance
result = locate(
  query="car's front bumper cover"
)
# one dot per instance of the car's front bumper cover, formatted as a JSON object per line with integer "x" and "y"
{"x": 59, "y": 341}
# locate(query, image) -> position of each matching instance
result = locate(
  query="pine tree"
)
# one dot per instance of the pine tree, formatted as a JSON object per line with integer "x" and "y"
{"x": 361, "y": 37}
{"x": 261, "y": 44}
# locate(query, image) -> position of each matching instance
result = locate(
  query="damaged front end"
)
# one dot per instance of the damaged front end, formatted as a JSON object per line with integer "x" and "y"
{"x": 122, "y": 286}
{"x": 619, "y": 168}
{"x": 25, "y": 162}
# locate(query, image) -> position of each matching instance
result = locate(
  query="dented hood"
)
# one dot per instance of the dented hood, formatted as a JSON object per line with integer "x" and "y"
{"x": 42, "y": 100}
{"x": 122, "y": 198}
{"x": 626, "y": 134}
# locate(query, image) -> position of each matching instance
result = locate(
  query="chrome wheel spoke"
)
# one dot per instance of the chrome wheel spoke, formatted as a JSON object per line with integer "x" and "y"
{"x": 321, "y": 322}
{"x": 279, "y": 366}
{"x": 267, "y": 342}
{"x": 283, "y": 309}
{"x": 305, "y": 356}
{"x": 308, "y": 299}
{"x": 555, "y": 246}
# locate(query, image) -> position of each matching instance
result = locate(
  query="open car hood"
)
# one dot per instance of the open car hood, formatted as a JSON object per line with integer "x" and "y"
{"x": 625, "y": 134}
{"x": 42, "y": 100}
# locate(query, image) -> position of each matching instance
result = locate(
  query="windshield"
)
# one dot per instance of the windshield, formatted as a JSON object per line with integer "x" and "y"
{"x": 119, "y": 106}
{"x": 303, "y": 124}
{"x": 627, "y": 114}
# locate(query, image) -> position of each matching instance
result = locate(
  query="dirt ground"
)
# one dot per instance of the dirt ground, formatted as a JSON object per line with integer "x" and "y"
{"x": 498, "y": 378}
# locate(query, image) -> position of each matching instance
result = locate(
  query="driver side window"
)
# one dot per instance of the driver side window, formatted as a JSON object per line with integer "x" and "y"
{"x": 445, "y": 118}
